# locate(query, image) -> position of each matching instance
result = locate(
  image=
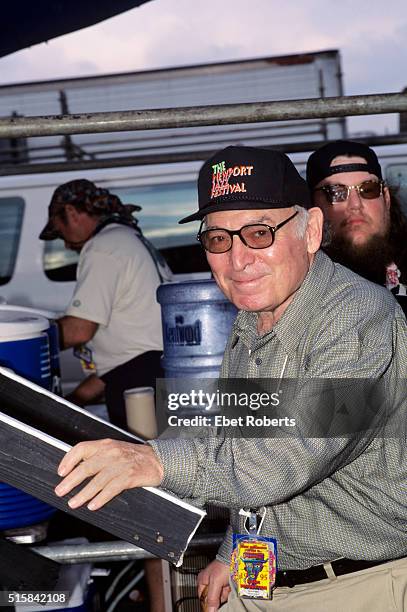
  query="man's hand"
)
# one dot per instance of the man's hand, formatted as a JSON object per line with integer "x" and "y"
{"x": 112, "y": 467}
{"x": 216, "y": 578}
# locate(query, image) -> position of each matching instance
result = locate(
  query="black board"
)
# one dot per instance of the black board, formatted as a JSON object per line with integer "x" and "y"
{"x": 37, "y": 428}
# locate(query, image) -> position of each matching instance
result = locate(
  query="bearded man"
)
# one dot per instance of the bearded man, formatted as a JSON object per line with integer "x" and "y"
{"x": 366, "y": 227}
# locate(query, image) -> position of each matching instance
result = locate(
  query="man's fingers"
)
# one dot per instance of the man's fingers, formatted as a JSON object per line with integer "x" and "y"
{"x": 83, "y": 471}
{"x": 103, "y": 480}
{"x": 213, "y": 589}
{"x": 71, "y": 481}
{"x": 202, "y": 583}
{"x": 213, "y": 598}
{"x": 106, "y": 468}
{"x": 106, "y": 495}
{"x": 201, "y": 589}
{"x": 108, "y": 488}
{"x": 203, "y": 597}
{"x": 77, "y": 454}
{"x": 225, "y": 594}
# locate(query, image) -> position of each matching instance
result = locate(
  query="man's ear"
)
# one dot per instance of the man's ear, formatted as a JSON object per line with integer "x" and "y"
{"x": 313, "y": 232}
{"x": 386, "y": 197}
{"x": 71, "y": 212}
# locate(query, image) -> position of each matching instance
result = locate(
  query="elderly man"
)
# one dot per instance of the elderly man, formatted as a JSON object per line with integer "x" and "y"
{"x": 368, "y": 230}
{"x": 336, "y": 506}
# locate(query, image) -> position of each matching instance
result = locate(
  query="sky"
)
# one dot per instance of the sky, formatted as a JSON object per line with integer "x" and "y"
{"x": 370, "y": 35}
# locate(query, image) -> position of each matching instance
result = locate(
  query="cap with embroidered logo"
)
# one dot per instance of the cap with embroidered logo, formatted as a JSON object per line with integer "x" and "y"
{"x": 242, "y": 178}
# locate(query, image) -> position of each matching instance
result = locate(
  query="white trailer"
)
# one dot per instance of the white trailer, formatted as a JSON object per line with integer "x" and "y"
{"x": 288, "y": 77}
{"x": 33, "y": 273}
{"x": 42, "y": 275}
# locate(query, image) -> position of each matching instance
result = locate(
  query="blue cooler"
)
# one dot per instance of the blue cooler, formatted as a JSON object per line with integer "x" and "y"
{"x": 197, "y": 319}
{"x": 24, "y": 345}
{"x": 53, "y": 340}
{"x": 24, "y": 348}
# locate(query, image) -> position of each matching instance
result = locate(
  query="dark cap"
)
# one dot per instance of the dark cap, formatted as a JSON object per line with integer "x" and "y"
{"x": 242, "y": 178}
{"x": 319, "y": 163}
{"x": 86, "y": 196}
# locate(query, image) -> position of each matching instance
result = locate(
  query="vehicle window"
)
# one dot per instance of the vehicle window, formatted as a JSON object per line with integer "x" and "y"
{"x": 162, "y": 207}
{"x": 59, "y": 263}
{"x": 11, "y": 218}
{"x": 396, "y": 177}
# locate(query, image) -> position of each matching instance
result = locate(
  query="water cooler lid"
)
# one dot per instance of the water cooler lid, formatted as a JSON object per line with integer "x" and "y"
{"x": 41, "y": 312}
{"x": 17, "y": 324}
{"x": 202, "y": 290}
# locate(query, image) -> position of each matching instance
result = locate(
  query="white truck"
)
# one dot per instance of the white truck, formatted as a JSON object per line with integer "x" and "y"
{"x": 34, "y": 273}
{"x": 38, "y": 274}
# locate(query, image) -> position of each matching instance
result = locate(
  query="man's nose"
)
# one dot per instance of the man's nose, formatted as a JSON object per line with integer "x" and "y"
{"x": 241, "y": 254}
{"x": 355, "y": 199}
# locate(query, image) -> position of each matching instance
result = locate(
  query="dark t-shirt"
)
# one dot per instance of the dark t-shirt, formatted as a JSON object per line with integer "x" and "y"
{"x": 402, "y": 300}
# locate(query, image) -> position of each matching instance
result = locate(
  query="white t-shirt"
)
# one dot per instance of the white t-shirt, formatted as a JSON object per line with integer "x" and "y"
{"x": 116, "y": 287}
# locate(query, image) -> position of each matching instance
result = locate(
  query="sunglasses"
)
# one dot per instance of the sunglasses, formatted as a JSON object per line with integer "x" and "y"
{"x": 254, "y": 236}
{"x": 368, "y": 190}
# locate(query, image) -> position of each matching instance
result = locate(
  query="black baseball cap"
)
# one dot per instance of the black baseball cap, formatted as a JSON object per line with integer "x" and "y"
{"x": 319, "y": 162}
{"x": 241, "y": 178}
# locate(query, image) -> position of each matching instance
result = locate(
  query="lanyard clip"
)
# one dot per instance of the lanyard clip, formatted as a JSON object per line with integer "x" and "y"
{"x": 254, "y": 519}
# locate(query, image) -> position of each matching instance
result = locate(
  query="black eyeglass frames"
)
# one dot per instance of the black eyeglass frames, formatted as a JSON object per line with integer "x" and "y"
{"x": 254, "y": 236}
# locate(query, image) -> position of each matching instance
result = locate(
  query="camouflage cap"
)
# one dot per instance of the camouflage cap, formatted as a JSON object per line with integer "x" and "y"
{"x": 87, "y": 197}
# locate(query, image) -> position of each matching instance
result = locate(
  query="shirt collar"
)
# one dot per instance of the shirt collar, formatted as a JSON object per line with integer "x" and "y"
{"x": 296, "y": 319}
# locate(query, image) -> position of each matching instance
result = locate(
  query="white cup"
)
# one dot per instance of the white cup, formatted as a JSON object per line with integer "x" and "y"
{"x": 140, "y": 412}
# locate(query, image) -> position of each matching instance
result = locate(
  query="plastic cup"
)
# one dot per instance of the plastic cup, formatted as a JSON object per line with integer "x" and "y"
{"x": 140, "y": 412}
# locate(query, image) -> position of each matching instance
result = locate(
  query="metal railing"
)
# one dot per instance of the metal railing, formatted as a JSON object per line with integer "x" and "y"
{"x": 18, "y": 127}
{"x": 101, "y": 552}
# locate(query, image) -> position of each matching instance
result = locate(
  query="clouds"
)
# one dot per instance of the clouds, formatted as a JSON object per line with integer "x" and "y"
{"x": 162, "y": 33}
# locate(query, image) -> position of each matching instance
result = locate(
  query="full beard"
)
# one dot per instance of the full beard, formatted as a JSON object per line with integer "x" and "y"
{"x": 370, "y": 259}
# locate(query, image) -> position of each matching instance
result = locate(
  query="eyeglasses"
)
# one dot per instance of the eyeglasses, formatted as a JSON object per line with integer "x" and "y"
{"x": 254, "y": 236}
{"x": 368, "y": 190}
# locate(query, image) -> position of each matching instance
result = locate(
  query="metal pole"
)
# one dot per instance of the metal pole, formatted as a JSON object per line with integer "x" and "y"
{"x": 17, "y": 127}
{"x": 101, "y": 552}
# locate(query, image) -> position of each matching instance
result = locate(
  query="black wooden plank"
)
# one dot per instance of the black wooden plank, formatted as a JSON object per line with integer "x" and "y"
{"x": 48, "y": 412}
{"x": 140, "y": 516}
{"x": 28, "y": 462}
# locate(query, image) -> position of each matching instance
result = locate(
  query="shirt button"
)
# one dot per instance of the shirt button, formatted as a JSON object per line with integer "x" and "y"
{"x": 258, "y": 361}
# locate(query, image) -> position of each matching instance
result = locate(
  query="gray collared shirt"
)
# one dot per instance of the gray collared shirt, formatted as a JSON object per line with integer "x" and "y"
{"x": 325, "y": 497}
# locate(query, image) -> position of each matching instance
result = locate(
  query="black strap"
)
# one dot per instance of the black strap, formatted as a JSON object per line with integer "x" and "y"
{"x": 156, "y": 256}
{"x": 340, "y": 567}
{"x": 350, "y": 168}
